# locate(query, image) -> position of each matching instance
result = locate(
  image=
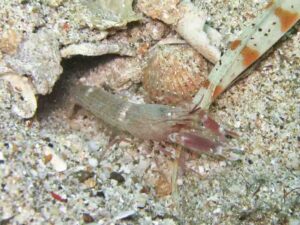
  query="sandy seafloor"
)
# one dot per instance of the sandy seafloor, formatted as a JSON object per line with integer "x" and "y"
{"x": 129, "y": 182}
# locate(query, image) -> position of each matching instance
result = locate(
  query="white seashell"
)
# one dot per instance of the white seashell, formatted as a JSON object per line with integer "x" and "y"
{"x": 23, "y": 98}
{"x": 188, "y": 21}
{"x": 192, "y": 28}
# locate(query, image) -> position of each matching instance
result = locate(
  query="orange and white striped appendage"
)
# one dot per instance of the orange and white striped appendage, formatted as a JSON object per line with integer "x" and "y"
{"x": 276, "y": 19}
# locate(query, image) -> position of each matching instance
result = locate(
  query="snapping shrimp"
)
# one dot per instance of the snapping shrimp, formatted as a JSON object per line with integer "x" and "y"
{"x": 179, "y": 125}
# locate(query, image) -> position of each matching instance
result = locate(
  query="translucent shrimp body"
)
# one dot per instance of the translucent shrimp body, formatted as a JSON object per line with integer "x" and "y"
{"x": 153, "y": 121}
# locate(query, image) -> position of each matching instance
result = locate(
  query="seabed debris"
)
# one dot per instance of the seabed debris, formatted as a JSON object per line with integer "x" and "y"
{"x": 72, "y": 168}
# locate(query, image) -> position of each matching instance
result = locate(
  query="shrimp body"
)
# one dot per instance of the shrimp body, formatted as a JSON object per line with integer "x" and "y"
{"x": 153, "y": 121}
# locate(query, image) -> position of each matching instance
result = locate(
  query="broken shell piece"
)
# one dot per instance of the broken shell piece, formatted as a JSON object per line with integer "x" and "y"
{"x": 22, "y": 96}
{"x": 91, "y": 49}
{"x": 56, "y": 161}
{"x": 192, "y": 28}
{"x": 174, "y": 74}
{"x": 124, "y": 214}
{"x": 188, "y": 21}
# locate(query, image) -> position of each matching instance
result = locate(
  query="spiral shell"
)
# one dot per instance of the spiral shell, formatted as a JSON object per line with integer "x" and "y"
{"x": 174, "y": 74}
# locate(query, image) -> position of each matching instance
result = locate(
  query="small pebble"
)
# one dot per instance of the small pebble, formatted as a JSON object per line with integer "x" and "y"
{"x": 47, "y": 158}
{"x": 63, "y": 209}
{"x": 179, "y": 182}
{"x": 1, "y": 158}
{"x": 91, "y": 182}
{"x": 117, "y": 176}
{"x": 83, "y": 175}
{"x": 237, "y": 124}
{"x": 201, "y": 170}
{"x": 100, "y": 194}
{"x": 141, "y": 200}
{"x": 87, "y": 218}
{"x": 217, "y": 211}
{"x": 93, "y": 162}
{"x": 93, "y": 146}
